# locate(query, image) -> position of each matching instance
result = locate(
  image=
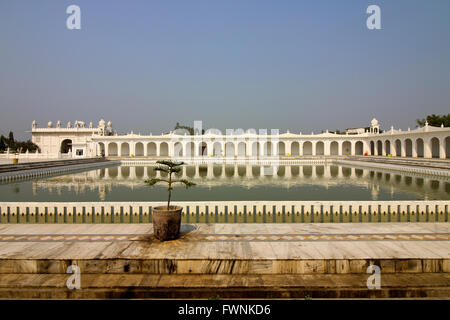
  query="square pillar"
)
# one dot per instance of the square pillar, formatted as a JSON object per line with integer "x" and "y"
{"x": 393, "y": 149}
{"x": 326, "y": 148}
{"x": 427, "y": 149}
{"x": 442, "y": 152}
{"x": 413, "y": 148}
{"x": 287, "y": 146}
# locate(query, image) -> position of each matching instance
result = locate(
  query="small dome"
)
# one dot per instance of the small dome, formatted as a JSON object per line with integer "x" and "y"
{"x": 50, "y": 124}
{"x": 374, "y": 122}
{"x": 101, "y": 123}
{"x": 109, "y": 124}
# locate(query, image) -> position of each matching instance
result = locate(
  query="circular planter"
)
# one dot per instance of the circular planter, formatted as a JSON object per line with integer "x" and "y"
{"x": 166, "y": 223}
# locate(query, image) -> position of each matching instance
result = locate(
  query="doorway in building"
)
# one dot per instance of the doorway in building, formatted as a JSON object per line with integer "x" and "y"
{"x": 66, "y": 146}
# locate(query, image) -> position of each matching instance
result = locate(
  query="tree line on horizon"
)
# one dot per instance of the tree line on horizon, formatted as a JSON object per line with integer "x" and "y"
{"x": 15, "y": 145}
{"x": 435, "y": 120}
{"x": 432, "y": 119}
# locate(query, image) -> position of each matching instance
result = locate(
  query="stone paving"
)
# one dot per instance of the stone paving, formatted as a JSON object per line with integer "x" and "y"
{"x": 229, "y": 241}
{"x": 226, "y": 260}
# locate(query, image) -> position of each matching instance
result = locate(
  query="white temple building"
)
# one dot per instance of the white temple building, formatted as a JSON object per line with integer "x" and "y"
{"x": 79, "y": 140}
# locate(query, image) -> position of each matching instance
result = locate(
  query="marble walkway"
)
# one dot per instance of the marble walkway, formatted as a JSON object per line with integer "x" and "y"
{"x": 228, "y": 241}
{"x": 227, "y": 260}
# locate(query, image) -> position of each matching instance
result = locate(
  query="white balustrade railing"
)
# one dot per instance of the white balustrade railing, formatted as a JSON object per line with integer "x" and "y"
{"x": 206, "y": 211}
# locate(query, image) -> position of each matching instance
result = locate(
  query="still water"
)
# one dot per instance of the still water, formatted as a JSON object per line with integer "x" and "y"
{"x": 232, "y": 182}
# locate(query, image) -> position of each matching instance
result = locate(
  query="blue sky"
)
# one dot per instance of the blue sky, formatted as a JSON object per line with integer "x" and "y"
{"x": 297, "y": 65}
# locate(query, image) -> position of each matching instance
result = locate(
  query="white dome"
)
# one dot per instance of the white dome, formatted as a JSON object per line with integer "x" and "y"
{"x": 101, "y": 123}
{"x": 109, "y": 124}
{"x": 50, "y": 124}
{"x": 374, "y": 122}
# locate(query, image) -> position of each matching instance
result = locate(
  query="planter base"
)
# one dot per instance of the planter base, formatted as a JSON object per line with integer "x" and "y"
{"x": 166, "y": 222}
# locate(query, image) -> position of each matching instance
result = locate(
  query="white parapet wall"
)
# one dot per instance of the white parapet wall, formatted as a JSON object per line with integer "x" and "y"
{"x": 12, "y": 209}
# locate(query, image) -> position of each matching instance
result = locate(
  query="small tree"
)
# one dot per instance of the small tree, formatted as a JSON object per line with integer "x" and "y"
{"x": 169, "y": 167}
{"x": 2, "y": 143}
{"x": 11, "y": 137}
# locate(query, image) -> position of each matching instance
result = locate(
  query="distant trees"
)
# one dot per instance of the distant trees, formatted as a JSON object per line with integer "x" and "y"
{"x": 435, "y": 120}
{"x": 187, "y": 128}
{"x": 3, "y": 145}
{"x": 16, "y": 146}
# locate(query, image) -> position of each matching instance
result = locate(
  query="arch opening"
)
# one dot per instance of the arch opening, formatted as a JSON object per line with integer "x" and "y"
{"x": 217, "y": 149}
{"x": 334, "y": 148}
{"x": 139, "y": 149}
{"x": 151, "y": 149}
{"x": 408, "y": 147}
{"x": 229, "y": 149}
{"x": 398, "y": 148}
{"x": 387, "y": 147}
{"x": 346, "y": 148}
{"x": 203, "y": 149}
{"x": 419, "y": 147}
{"x": 359, "y": 148}
{"x": 307, "y": 148}
{"x": 178, "y": 149}
{"x": 164, "y": 149}
{"x": 113, "y": 149}
{"x": 66, "y": 146}
{"x": 435, "y": 146}
{"x": 379, "y": 148}
{"x": 320, "y": 148}
{"x": 124, "y": 149}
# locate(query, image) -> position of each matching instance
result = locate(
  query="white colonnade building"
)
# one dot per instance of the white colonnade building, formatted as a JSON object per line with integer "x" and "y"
{"x": 81, "y": 141}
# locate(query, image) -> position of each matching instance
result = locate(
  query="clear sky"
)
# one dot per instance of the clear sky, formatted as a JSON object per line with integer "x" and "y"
{"x": 297, "y": 65}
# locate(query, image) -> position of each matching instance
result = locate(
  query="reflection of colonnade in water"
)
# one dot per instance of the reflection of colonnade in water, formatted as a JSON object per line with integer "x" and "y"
{"x": 214, "y": 171}
{"x": 211, "y": 175}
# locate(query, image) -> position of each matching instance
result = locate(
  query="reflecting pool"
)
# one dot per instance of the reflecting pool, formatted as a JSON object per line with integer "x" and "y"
{"x": 232, "y": 182}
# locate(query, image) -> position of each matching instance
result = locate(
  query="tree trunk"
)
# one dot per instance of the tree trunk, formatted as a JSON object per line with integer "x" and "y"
{"x": 170, "y": 189}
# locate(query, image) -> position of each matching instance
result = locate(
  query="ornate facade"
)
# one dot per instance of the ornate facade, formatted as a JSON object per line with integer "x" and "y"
{"x": 81, "y": 141}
